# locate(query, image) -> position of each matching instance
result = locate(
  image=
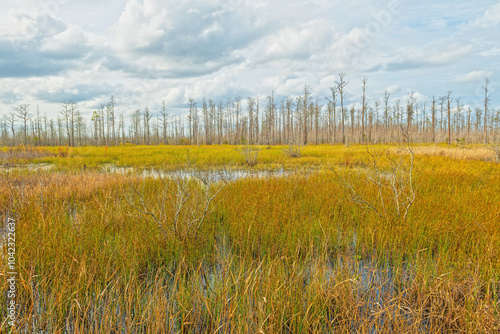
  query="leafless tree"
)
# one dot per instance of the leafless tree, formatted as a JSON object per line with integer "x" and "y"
{"x": 448, "y": 114}
{"x": 363, "y": 110}
{"x": 110, "y": 120}
{"x": 486, "y": 100}
{"x": 305, "y": 111}
{"x": 69, "y": 114}
{"x": 390, "y": 173}
{"x": 183, "y": 204}
{"x": 22, "y": 112}
{"x": 433, "y": 119}
{"x": 341, "y": 89}
{"x": 164, "y": 123}
{"x": 147, "y": 115}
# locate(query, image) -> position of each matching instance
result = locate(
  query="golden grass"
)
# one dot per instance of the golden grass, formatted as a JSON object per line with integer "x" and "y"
{"x": 277, "y": 255}
{"x": 457, "y": 153}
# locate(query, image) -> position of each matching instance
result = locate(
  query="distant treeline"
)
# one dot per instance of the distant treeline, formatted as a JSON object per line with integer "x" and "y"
{"x": 269, "y": 121}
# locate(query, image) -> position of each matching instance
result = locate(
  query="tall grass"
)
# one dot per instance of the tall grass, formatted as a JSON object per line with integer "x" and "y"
{"x": 277, "y": 255}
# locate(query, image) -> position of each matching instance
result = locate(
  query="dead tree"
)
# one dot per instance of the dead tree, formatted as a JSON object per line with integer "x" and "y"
{"x": 389, "y": 175}
{"x": 341, "y": 85}
{"x": 182, "y": 205}
{"x": 22, "y": 112}
{"x": 486, "y": 99}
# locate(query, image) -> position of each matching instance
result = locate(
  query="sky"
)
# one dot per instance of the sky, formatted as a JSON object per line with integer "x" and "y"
{"x": 144, "y": 52}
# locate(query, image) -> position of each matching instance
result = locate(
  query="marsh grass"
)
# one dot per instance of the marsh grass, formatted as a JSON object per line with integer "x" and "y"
{"x": 21, "y": 154}
{"x": 459, "y": 152}
{"x": 277, "y": 255}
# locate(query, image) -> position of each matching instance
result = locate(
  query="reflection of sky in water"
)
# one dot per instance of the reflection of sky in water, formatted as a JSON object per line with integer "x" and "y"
{"x": 211, "y": 175}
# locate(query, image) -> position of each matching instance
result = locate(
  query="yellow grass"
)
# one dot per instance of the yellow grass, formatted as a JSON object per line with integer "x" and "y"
{"x": 458, "y": 153}
{"x": 286, "y": 254}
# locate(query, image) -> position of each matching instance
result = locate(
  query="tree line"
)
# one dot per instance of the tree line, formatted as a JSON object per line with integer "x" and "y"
{"x": 304, "y": 119}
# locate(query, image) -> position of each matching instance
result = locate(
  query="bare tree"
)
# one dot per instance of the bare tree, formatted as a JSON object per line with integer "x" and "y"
{"x": 363, "y": 109}
{"x": 341, "y": 85}
{"x": 192, "y": 120}
{"x": 136, "y": 125}
{"x": 410, "y": 111}
{"x": 237, "y": 101}
{"x": 370, "y": 120}
{"x": 469, "y": 112}
{"x": 305, "y": 105}
{"x": 69, "y": 114}
{"x": 433, "y": 119}
{"x": 110, "y": 115}
{"x": 394, "y": 184}
{"x": 332, "y": 101}
{"x": 12, "y": 120}
{"x": 182, "y": 206}
{"x": 448, "y": 113}
{"x": 164, "y": 115}
{"x": 442, "y": 100}
{"x": 147, "y": 115}
{"x": 458, "y": 114}
{"x": 22, "y": 112}
{"x": 317, "y": 114}
{"x": 386, "y": 114}
{"x": 486, "y": 100}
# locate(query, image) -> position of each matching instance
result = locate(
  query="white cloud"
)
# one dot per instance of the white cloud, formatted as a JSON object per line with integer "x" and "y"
{"x": 70, "y": 41}
{"x": 473, "y": 76}
{"x": 140, "y": 26}
{"x": 491, "y": 17}
{"x": 297, "y": 42}
{"x": 450, "y": 54}
{"x": 21, "y": 26}
{"x": 393, "y": 89}
{"x": 147, "y": 50}
{"x": 415, "y": 58}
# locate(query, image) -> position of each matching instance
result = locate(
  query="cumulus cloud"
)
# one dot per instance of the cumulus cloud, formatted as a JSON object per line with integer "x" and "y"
{"x": 473, "y": 76}
{"x": 143, "y": 51}
{"x": 297, "y": 42}
{"x": 38, "y": 45}
{"x": 71, "y": 42}
{"x": 195, "y": 34}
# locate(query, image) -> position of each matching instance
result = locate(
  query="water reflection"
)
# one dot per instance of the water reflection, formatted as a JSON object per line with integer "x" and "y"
{"x": 213, "y": 175}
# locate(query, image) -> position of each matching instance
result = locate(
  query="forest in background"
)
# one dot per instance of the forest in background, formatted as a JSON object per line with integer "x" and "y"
{"x": 302, "y": 120}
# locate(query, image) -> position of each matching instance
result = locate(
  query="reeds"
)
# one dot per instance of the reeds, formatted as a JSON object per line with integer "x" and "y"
{"x": 277, "y": 255}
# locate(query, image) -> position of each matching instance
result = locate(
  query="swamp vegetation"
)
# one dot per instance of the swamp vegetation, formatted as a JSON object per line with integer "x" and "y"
{"x": 319, "y": 244}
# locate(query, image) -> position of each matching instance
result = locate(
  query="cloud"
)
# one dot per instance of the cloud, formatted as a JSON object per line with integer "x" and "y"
{"x": 297, "y": 42}
{"x": 491, "y": 17}
{"x": 190, "y": 33}
{"x": 70, "y": 43}
{"x": 39, "y": 45}
{"x": 450, "y": 54}
{"x": 143, "y": 51}
{"x": 473, "y": 76}
{"x": 77, "y": 93}
{"x": 417, "y": 58}
{"x": 20, "y": 26}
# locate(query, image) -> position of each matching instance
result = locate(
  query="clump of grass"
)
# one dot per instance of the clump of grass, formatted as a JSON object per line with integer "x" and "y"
{"x": 292, "y": 151}
{"x": 249, "y": 154}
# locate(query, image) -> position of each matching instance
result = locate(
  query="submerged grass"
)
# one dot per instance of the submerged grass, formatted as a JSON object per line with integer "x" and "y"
{"x": 277, "y": 255}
